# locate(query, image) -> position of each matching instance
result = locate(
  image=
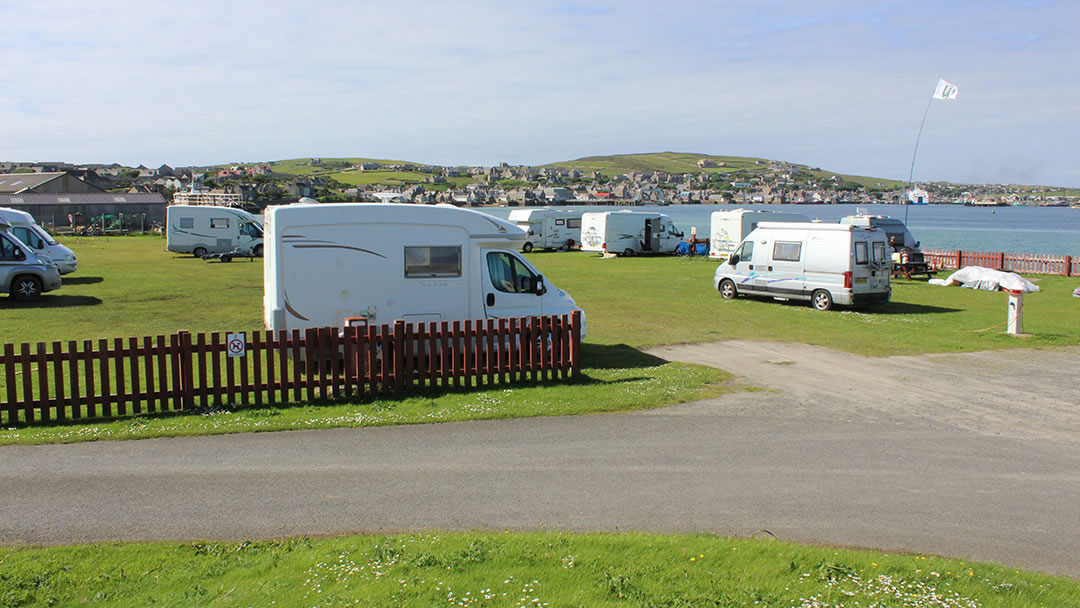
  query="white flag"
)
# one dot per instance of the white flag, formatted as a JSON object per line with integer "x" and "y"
{"x": 945, "y": 90}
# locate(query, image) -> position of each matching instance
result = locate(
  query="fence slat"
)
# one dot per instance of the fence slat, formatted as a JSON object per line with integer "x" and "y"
{"x": 73, "y": 379}
{"x": 9, "y": 382}
{"x": 42, "y": 399}
{"x": 58, "y": 380}
{"x": 121, "y": 383}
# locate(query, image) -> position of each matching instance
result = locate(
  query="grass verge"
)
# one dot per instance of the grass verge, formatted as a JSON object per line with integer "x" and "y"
{"x": 491, "y": 570}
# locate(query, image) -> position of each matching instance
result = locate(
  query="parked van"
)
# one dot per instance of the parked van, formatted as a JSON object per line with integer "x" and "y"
{"x": 24, "y": 273}
{"x": 27, "y": 230}
{"x": 548, "y": 228}
{"x": 203, "y": 229}
{"x": 824, "y": 263}
{"x": 904, "y": 249}
{"x": 381, "y": 262}
{"x": 629, "y": 232}
{"x": 728, "y": 228}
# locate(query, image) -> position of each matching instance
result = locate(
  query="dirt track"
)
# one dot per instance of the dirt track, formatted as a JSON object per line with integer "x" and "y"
{"x": 1023, "y": 394}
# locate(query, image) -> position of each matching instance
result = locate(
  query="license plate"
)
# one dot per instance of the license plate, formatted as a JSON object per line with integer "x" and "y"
{"x": 861, "y": 280}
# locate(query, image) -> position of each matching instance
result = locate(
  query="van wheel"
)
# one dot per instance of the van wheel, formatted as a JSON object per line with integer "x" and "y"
{"x": 199, "y": 252}
{"x": 26, "y": 288}
{"x": 527, "y": 247}
{"x": 257, "y": 252}
{"x": 728, "y": 290}
{"x": 628, "y": 253}
{"x": 822, "y": 300}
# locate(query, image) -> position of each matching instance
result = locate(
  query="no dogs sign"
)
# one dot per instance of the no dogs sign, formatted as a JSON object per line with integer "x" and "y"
{"x": 236, "y": 345}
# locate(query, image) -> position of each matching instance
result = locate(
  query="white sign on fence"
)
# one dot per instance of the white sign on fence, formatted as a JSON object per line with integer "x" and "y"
{"x": 236, "y": 344}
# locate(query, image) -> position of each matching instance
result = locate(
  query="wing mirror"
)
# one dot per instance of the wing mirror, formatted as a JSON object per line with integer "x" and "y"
{"x": 19, "y": 254}
{"x": 734, "y": 259}
{"x": 538, "y": 286}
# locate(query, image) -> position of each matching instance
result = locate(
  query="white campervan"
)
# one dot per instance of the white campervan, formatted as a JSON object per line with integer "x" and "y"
{"x": 203, "y": 229}
{"x": 384, "y": 262}
{"x": 629, "y": 232}
{"x": 24, "y": 228}
{"x": 822, "y": 263}
{"x": 548, "y": 228}
{"x": 728, "y": 228}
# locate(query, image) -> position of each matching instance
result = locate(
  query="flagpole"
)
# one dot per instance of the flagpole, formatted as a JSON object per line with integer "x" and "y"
{"x": 916, "y": 151}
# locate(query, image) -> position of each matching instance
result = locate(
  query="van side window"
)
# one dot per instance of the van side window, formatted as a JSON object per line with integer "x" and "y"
{"x": 746, "y": 252}
{"x": 508, "y": 273}
{"x": 560, "y": 222}
{"x": 428, "y": 262}
{"x": 187, "y": 222}
{"x": 219, "y": 222}
{"x": 573, "y": 223}
{"x": 861, "y": 255}
{"x": 7, "y": 249}
{"x": 249, "y": 229}
{"x": 786, "y": 251}
{"x": 879, "y": 251}
{"x": 28, "y": 238}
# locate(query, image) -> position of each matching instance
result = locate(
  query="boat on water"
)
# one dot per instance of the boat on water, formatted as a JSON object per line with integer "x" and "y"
{"x": 918, "y": 196}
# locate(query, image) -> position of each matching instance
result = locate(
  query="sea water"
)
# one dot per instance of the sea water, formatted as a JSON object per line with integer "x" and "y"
{"x": 1043, "y": 230}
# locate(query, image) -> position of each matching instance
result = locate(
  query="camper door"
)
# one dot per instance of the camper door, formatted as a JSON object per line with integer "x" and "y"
{"x": 510, "y": 286}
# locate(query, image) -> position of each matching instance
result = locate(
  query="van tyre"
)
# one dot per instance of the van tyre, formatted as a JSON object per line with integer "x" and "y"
{"x": 199, "y": 252}
{"x": 628, "y": 253}
{"x": 527, "y": 247}
{"x": 257, "y": 251}
{"x": 822, "y": 300}
{"x": 26, "y": 288}
{"x": 727, "y": 289}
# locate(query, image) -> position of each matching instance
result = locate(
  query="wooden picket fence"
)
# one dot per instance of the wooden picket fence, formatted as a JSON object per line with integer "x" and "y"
{"x": 121, "y": 377}
{"x": 1023, "y": 263}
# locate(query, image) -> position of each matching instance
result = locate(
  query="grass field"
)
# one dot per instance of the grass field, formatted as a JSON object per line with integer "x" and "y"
{"x": 494, "y": 570}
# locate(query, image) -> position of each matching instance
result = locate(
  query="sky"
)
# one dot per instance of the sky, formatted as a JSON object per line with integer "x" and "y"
{"x": 841, "y": 85}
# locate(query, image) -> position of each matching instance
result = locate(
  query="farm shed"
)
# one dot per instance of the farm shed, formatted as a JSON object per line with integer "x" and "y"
{"x": 54, "y": 210}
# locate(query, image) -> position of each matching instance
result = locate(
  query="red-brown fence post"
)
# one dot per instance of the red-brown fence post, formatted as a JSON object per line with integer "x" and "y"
{"x": 575, "y": 343}
{"x": 1001, "y": 261}
{"x": 399, "y": 355}
{"x": 9, "y": 382}
{"x": 187, "y": 375}
{"x": 1068, "y": 265}
{"x": 959, "y": 259}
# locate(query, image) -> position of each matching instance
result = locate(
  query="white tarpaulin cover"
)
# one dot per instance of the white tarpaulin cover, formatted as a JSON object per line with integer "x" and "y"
{"x": 986, "y": 279}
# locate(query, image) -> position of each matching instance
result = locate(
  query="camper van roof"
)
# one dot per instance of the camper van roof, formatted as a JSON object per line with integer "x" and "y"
{"x": 811, "y": 226}
{"x": 475, "y": 222}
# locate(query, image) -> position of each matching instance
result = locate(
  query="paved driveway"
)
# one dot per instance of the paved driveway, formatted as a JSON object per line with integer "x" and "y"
{"x": 738, "y": 465}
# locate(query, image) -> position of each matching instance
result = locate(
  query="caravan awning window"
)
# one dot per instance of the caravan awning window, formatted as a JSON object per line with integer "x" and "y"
{"x": 429, "y": 262}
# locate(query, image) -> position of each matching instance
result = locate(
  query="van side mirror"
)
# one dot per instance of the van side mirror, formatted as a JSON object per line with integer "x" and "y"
{"x": 734, "y": 259}
{"x": 538, "y": 286}
{"x": 19, "y": 254}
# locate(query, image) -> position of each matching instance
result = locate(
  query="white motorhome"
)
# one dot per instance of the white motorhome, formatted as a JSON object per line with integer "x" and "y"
{"x": 895, "y": 230}
{"x": 204, "y": 229}
{"x": 728, "y": 228}
{"x": 27, "y": 230}
{"x": 548, "y": 228}
{"x": 382, "y": 262}
{"x": 629, "y": 232}
{"x": 824, "y": 263}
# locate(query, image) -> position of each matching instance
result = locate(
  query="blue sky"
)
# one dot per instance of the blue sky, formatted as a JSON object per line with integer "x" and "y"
{"x": 839, "y": 85}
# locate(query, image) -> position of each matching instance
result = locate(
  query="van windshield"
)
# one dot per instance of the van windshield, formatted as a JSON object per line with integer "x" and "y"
{"x": 41, "y": 232}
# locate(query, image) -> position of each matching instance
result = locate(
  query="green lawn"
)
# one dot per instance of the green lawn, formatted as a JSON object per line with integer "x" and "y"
{"x": 495, "y": 570}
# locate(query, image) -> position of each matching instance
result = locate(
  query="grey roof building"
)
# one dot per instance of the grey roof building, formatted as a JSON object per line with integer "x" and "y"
{"x": 75, "y": 208}
{"x": 44, "y": 183}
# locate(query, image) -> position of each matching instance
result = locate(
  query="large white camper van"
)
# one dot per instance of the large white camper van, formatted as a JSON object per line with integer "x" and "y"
{"x": 629, "y": 232}
{"x": 27, "y": 230}
{"x": 24, "y": 274}
{"x": 384, "y": 262}
{"x": 203, "y": 229}
{"x": 548, "y": 228}
{"x": 728, "y": 228}
{"x": 822, "y": 263}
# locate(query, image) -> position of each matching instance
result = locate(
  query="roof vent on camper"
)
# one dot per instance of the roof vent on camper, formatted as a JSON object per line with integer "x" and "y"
{"x": 305, "y": 200}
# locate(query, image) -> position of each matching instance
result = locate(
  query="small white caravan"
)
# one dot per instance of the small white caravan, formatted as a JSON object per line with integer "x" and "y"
{"x": 728, "y": 228}
{"x": 383, "y": 262}
{"x": 824, "y": 263}
{"x": 629, "y": 232}
{"x": 203, "y": 229}
{"x": 895, "y": 230}
{"x": 548, "y": 228}
{"x": 27, "y": 230}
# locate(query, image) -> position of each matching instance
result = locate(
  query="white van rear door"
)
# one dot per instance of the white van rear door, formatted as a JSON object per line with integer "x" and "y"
{"x": 509, "y": 286}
